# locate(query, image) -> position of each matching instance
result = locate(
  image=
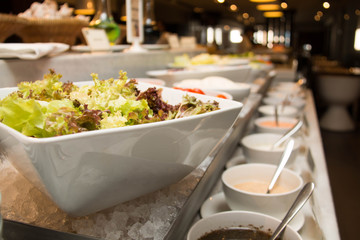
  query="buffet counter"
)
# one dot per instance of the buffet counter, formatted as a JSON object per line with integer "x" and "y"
{"x": 163, "y": 214}
{"x": 169, "y": 212}
{"x": 319, "y": 213}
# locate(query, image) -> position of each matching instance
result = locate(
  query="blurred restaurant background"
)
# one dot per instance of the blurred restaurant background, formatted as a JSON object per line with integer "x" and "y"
{"x": 220, "y": 25}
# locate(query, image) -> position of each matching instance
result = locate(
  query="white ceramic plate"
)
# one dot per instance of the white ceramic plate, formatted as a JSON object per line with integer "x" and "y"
{"x": 217, "y": 203}
{"x": 85, "y": 48}
{"x": 154, "y": 81}
{"x": 235, "y": 61}
{"x": 155, "y": 46}
{"x": 234, "y": 73}
{"x": 239, "y": 91}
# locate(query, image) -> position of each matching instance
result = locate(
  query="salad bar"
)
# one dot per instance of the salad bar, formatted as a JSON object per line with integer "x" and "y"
{"x": 143, "y": 164}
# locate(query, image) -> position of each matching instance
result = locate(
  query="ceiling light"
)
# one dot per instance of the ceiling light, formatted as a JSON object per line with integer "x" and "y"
{"x": 262, "y": 1}
{"x": 85, "y": 7}
{"x": 84, "y": 11}
{"x": 283, "y": 5}
{"x": 198, "y": 10}
{"x": 326, "y": 5}
{"x": 245, "y": 15}
{"x": 317, "y": 18}
{"x": 233, "y": 7}
{"x": 320, "y": 13}
{"x": 274, "y": 14}
{"x": 220, "y": 1}
{"x": 267, "y": 7}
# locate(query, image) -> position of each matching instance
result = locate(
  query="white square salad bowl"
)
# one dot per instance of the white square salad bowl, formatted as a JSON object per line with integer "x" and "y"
{"x": 91, "y": 171}
{"x": 234, "y": 73}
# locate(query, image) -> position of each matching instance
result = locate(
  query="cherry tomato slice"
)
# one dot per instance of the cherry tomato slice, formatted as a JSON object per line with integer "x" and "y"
{"x": 193, "y": 90}
{"x": 221, "y": 96}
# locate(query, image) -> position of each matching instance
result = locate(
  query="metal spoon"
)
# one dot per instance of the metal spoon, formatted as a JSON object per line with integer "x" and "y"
{"x": 288, "y": 134}
{"x": 284, "y": 158}
{"x": 276, "y": 116}
{"x": 299, "y": 202}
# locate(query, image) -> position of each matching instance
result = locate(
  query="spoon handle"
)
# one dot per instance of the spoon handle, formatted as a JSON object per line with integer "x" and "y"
{"x": 288, "y": 134}
{"x": 299, "y": 202}
{"x": 284, "y": 158}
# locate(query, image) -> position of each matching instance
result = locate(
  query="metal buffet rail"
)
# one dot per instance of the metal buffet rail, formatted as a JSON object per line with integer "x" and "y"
{"x": 182, "y": 200}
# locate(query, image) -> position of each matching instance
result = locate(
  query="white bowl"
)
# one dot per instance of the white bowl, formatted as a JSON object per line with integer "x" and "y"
{"x": 287, "y": 87}
{"x": 90, "y": 171}
{"x": 273, "y": 204}
{"x": 234, "y": 73}
{"x": 286, "y": 111}
{"x": 257, "y": 148}
{"x": 293, "y": 101}
{"x": 239, "y": 218}
{"x": 239, "y": 91}
{"x": 283, "y": 94}
{"x": 212, "y": 93}
{"x": 217, "y": 94}
{"x": 267, "y": 124}
{"x": 153, "y": 81}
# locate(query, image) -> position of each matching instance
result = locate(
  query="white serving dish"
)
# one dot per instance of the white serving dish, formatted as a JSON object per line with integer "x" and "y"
{"x": 85, "y": 48}
{"x": 273, "y": 204}
{"x": 239, "y": 91}
{"x": 257, "y": 148}
{"x": 286, "y": 111}
{"x": 236, "y": 219}
{"x": 90, "y": 171}
{"x": 217, "y": 203}
{"x": 292, "y": 101}
{"x": 216, "y": 93}
{"x": 234, "y": 73}
{"x": 153, "y": 81}
{"x": 260, "y": 128}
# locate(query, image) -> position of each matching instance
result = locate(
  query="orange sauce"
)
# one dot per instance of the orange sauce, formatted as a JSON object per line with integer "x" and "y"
{"x": 280, "y": 124}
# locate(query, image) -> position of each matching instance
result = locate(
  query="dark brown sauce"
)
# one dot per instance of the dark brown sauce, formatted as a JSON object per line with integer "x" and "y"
{"x": 237, "y": 233}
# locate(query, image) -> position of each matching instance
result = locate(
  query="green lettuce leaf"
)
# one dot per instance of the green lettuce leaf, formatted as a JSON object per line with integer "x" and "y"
{"x": 24, "y": 115}
{"x": 190, "y": 106}
{"x": 47, "y": 89}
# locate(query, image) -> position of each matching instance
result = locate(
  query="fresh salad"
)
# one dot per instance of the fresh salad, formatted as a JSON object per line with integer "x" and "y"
{"x": 49, "y": 107}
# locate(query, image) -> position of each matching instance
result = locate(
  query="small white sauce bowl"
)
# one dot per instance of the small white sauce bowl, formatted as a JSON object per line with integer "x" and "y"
{"x": 236, "y": 219}
{"x": 260, "y": 128}
{"x": 273, "y": 204}
{"x": 287, "y": 111}
{"x": 256, "y": 148}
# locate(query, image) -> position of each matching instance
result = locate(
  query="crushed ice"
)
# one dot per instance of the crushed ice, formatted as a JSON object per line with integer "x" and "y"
{"x": 146, "y": 218}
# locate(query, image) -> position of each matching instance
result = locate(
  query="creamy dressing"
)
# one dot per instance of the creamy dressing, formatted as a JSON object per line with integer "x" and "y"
{"x": 268, "y": 147}
{"x": 260, "y": 187}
